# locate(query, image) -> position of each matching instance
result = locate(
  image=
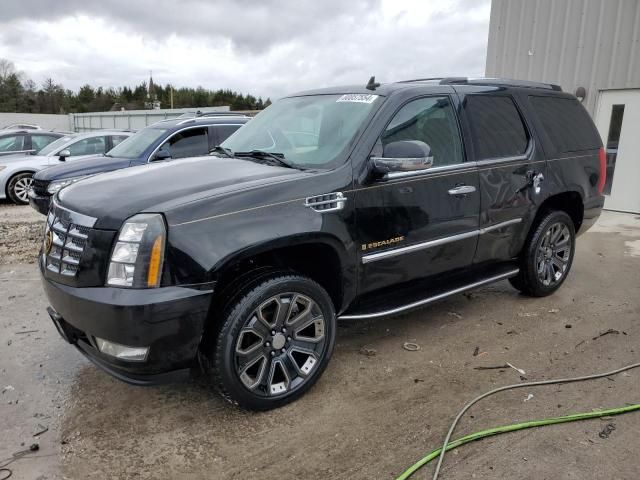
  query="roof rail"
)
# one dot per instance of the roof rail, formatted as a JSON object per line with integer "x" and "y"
{"x": 507, "y": 82}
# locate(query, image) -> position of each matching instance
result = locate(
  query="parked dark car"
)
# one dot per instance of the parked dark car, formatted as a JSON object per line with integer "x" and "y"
{"x": 346, "y": 202}
{"x": 23, "y": 141}
{"x": 165, "y": 140}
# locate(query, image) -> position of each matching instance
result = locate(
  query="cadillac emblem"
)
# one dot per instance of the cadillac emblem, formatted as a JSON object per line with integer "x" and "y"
{"x": 48, "y": 241}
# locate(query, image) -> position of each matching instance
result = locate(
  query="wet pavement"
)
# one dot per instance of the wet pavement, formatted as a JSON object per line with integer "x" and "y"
{"x": 377, "y": 408}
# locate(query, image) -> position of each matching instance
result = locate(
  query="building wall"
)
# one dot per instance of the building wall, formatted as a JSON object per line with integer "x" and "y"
{"x": 131, "y": 119}
{"x": 590, "y": 43}
{"x": 46, "y": 121}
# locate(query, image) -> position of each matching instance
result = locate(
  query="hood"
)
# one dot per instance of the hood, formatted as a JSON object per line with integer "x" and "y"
{"x": 85, "y": 166}
{"x": 113, "y": 197}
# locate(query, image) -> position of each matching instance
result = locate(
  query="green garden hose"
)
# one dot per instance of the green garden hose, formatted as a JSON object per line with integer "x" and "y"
{"x": 512, "y": 428}
{"x": 447, "y": 445}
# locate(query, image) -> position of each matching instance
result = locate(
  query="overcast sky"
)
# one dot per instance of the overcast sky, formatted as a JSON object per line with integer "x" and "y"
{"x": 264, "y": 47}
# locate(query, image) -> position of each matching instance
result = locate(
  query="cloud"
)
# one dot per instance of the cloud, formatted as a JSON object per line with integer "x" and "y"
{"x": 267, "y": 48}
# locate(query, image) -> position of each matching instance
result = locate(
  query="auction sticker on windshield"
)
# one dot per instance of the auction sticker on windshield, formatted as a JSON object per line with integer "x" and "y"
{"x": 357, "y": 98}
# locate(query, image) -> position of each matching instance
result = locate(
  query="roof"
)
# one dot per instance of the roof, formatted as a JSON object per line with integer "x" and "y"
{"x": 385, "y": 89}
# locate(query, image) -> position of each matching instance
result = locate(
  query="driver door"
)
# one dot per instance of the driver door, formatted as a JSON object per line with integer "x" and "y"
{"x": 419, "y": 224}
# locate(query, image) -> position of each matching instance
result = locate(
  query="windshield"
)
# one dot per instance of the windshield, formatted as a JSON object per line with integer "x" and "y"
{"x": 310, "y": 131}
{"x": 136, "y": 144}
{"x": 54, "y": 146}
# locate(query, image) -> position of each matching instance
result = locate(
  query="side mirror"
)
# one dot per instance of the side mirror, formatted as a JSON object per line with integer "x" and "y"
{"x": 63, "y": 154}
{"x": 162, "y": 154}
{"x": 405, "y": 156}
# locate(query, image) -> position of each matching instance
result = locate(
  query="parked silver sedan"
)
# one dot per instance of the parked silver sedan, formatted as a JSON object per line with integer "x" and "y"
{"x": 16, "y": 172}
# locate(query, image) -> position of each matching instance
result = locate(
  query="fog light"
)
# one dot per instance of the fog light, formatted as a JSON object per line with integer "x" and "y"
{"x": 133, "y": 354}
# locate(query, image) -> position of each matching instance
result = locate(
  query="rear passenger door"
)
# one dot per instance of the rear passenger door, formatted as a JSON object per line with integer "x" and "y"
{"x": 511, "y": 167}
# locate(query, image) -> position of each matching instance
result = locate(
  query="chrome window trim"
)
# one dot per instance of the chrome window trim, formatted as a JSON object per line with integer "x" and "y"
{"x": 454, "y": 168}
{"x": 374, "y": 257}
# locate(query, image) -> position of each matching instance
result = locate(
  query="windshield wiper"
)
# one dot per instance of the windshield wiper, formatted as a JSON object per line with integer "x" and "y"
{"x": 226, "y": 152}
{"x": 275, "y": 157}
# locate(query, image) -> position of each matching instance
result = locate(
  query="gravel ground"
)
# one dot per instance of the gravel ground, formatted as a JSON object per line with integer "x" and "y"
{"x": 21, "y": 230}
{"x": 376, "y": 410}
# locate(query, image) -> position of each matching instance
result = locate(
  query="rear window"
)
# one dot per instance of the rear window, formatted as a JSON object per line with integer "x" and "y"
{"x": 496, "y": 127}
{"x": 566, "y": 123}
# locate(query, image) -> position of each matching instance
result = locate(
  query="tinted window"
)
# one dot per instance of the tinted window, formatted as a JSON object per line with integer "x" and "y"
{"x": 11, "y": 143}
{"x": 116, "y": 139}
{"x": 38, "y": 142}
{"x": 566, "y": 123}
{"x": 87, "y": 146}
{"x": 432, "y": 121}
{"x": 189, "y": 143}
{"x": 496, "y": 127}
{"x": 224, "y": 131}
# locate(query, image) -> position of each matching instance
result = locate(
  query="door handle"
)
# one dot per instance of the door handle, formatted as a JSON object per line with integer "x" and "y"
{"x": 462, "y": 190}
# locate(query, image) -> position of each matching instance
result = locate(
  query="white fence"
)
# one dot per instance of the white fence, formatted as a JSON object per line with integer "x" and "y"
{"x": 130, "y": 119}
{"x": 45, "y": 120}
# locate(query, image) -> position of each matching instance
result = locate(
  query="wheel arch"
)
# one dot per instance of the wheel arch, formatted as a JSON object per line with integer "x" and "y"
{"x": 321, "y": 257}
{"x": 570, "y": 202}
{"x": 13, "y": 175}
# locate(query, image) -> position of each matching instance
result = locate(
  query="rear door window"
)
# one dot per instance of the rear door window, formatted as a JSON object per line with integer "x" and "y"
{"x": 566, "y": 123}
{"x": 497, "y": 130}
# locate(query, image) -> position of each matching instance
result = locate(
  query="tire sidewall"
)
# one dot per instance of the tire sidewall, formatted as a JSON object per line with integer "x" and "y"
{"x": 223, "y": 356}
{"x": 532, "y": 279}
{"x": 11, "y": 187}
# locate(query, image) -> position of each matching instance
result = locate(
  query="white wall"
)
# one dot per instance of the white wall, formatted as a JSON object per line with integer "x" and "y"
{"x": 45, "y": 120}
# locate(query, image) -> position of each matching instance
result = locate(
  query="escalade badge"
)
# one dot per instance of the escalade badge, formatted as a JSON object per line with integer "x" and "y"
{"x": 381, "y": 243}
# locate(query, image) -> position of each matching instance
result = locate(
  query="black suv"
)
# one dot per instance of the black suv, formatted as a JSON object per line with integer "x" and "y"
{"x": 168, "y": 139}
{"x": 348, "y": 202}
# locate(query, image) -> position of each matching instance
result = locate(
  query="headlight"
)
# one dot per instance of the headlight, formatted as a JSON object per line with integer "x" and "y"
{"x": 138, "y": 254}
{"x": 55, "y": 187}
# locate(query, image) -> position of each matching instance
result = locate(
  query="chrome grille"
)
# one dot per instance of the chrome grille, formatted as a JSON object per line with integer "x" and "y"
{"x": 64, "y": 242}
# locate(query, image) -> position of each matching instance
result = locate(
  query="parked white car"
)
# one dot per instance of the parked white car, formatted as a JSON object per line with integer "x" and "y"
{"x": 16, "y": 172}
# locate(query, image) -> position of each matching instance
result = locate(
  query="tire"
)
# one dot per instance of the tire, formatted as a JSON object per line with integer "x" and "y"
{"x": 547, "y": 255}
{"x": 257, "y": 369}
{"x": 18, "y": 188}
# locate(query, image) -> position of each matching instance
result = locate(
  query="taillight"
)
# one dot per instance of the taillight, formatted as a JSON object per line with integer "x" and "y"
{"x": 603, "y": 170}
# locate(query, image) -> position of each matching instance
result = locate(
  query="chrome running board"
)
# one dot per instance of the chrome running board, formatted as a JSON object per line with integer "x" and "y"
{"x": 434, "y": 298}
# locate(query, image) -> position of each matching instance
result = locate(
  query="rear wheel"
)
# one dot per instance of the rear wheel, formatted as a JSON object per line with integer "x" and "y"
{"x": 18, "y": 188}
{"x": 275, "y": 340}
{"x": 547, "y": 255}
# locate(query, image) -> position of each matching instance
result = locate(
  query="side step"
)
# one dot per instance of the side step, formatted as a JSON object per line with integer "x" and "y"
{"x": 435, "y": 296}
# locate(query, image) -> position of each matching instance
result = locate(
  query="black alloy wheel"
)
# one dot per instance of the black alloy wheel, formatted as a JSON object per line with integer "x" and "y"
{"x": 275, "y": 341}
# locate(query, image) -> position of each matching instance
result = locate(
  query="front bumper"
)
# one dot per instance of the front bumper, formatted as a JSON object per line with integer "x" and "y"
{"x": 169, "y": 320}
{"x": 39, "y": 203}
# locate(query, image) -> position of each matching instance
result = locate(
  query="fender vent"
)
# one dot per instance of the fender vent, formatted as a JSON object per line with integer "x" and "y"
{"x": 330, "y": 202}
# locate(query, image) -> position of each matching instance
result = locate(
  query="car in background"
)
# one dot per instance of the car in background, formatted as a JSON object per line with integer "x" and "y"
{"x": 23, "y": 142}
{"x": 16, "y": 172}
{"x": 22, "y": 126}
{"x": 165, "y": 140}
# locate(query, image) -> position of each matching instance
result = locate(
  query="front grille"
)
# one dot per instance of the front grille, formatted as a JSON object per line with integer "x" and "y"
{"x": 64, "y": 243}
{"x": 40, "y": 186}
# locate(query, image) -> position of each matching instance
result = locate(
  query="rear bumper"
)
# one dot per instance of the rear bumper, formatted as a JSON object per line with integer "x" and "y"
{"x": 39, "y": 203}
{"x": 168, "y": 320}
{"x": 592, "y": 210}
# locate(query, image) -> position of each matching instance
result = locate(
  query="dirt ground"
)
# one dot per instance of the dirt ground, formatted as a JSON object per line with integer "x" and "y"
{"x": 376, "y": 410}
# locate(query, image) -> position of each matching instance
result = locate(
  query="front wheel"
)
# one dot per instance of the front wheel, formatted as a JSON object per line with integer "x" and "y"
{"x": 547, "y": 256}
{"x": 18, "y": 188}
{"x": 274, "y": 342}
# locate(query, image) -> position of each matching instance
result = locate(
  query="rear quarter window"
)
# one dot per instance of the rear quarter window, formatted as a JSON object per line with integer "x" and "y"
{"x": 566, "y": 123}
{"x": 497, "y": 130}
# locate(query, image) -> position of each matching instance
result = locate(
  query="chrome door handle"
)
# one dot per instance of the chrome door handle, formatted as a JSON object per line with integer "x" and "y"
{"x": 462, "y": 190}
